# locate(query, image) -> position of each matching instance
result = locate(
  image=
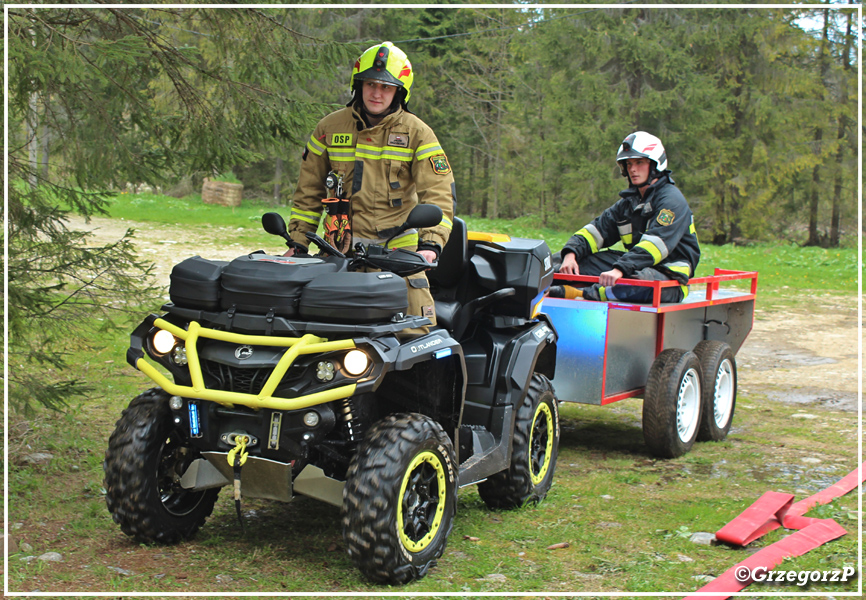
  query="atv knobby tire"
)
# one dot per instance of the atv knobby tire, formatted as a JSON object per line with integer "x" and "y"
{"x": 400, "y": 498}
{"x": 672, "y": 403}
{"x": 534, "y": 449}
{"x": 719, "y": 375}
{"x": 145, "y": 459}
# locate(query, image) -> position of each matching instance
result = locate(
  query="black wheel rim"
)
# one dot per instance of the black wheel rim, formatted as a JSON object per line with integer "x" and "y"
{"x": 422, "y": 502}
{"x": 540, "y": 443}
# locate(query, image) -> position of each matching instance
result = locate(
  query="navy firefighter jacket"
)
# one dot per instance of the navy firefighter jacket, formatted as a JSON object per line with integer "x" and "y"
{"x": 657, "y": 231}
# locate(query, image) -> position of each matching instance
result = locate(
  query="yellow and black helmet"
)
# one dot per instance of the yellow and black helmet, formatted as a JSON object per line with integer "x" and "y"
{"x": 386, "y": 63}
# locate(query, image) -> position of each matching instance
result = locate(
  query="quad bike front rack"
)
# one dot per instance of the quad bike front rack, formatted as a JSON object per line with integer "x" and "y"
{"x": 296, "y": 346}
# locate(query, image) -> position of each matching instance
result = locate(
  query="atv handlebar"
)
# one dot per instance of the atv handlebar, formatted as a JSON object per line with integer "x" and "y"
{"x": 399, "y": 261}
{"x": 323, "y": 245}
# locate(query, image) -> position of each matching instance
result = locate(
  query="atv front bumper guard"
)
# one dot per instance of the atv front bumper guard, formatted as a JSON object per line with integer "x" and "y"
{"x": 296, "y": 346}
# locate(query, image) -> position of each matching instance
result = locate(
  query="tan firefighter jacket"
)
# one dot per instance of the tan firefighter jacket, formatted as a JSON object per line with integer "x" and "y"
{"x": 386, "y": 169}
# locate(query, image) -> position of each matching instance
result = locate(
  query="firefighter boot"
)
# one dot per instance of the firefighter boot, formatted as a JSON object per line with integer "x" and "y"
{"x": 565, "y": 291}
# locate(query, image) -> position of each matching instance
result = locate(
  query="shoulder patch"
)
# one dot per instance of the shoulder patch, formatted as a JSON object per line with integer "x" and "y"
{"x": 666, "y": 217}
{"x": 440, "y": 164}
{"x": 341, "y": 139}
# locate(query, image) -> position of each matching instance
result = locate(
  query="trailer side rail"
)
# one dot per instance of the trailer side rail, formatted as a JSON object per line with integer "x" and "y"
{"x": 710, "y": 295}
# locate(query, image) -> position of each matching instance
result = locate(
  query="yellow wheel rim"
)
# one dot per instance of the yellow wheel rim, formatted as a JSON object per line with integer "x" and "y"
{"x": 540, "y": 443}
{"x": 421, "y": 503}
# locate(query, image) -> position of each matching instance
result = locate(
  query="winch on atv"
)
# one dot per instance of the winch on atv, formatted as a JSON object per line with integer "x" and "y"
{"x": 283, "y": 375}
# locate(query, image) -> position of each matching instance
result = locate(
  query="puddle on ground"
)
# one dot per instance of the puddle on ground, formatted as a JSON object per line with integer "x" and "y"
{"x": 812, "y": 478}
{"x": 834, "y": 399}
{"x": 762, "y": 356}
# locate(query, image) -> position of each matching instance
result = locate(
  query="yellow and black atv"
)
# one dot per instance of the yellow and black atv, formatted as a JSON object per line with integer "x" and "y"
{"x": 289, "y": 375}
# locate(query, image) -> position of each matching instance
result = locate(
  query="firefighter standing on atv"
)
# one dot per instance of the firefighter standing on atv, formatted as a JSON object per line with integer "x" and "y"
{"x": 379, "y": 161}
{"x": 654, "y": 222}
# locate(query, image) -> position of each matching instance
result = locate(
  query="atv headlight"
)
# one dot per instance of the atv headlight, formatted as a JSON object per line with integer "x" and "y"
{"x": 178, "y": 356}
{"x": 325, "y": 371}
{"x": 163, "y": 341}
{"x": 356, "y": 362}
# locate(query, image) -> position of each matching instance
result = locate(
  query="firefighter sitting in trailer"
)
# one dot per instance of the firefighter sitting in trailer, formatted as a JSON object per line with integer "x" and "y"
{"x": 653, "y": 221}
{"x": 369, "y": 164}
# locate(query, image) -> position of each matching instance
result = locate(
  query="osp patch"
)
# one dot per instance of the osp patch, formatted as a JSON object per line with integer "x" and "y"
{"x": 440, "y": 164}
{"x": 666, "y": 217}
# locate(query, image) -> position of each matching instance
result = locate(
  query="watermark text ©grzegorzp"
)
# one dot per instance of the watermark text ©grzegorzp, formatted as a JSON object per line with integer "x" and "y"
{"x": 763, "y": 575}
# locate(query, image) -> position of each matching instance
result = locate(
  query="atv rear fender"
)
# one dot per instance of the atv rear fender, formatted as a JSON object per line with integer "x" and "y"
{"x": 499, "y": 367}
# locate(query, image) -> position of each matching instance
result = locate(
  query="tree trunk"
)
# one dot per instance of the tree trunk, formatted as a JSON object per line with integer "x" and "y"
{"x": 33, "y": 131}
{"x": 485, "y": 163}
{"x": 278, "y": 177}
{"x": 33, "y": 140}
{"x": 466, "y": 198}
{"x": 497, "y": 161}
{"x": 819, "y": 135}
{"x": 542, "y": 151}
{"x": 836, "y": 214}
{"x": 813, "y": 204}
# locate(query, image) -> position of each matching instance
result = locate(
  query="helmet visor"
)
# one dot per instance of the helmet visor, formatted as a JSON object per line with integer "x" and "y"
{"x": 381, "y": 81}
{"x": 631, "y": 153}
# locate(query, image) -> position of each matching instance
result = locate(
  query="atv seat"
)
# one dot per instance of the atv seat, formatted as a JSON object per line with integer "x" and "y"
{"x": 445, "y": 278}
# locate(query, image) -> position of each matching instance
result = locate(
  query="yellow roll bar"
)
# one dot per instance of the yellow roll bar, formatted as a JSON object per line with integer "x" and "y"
{"x": 307, "y": 344}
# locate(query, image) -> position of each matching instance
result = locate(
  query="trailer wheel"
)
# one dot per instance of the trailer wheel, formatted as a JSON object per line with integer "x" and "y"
{"x": 719, "y": 397}
{"x": 145, "y": 459}
{"x": 400, "y": 499}
{"x": 534, "y": 448}
{"x": 672, "y": 403}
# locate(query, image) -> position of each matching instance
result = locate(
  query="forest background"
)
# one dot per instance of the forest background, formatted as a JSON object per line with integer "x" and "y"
{"x": 758, "y": 114}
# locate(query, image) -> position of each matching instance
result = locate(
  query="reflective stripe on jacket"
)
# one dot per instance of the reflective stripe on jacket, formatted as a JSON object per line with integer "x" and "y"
{"x": 657, "y": 231}
{"x": 387, "y": 169}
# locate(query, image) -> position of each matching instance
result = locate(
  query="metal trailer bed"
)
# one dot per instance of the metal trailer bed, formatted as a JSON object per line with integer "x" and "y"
{"x": 610, "y": 351}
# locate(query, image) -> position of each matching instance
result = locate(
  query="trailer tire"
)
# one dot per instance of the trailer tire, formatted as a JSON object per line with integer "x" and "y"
{"x": 145, "y": 458}
{"x": 400, "y": 499}
{"x": 719, "y": 393}
{"x": 534, "y": 450}
{"x": 672, "y": 403}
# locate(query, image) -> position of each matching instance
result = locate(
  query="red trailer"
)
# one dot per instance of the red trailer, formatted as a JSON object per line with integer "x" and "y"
{"x": 680, "y": 358}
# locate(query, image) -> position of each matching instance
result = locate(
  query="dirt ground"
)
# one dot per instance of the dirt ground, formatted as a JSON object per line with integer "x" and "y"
{"x": 806, "y": 354}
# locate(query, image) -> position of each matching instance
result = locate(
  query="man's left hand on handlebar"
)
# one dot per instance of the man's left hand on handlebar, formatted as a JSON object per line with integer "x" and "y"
{"x": 429, "y": 256}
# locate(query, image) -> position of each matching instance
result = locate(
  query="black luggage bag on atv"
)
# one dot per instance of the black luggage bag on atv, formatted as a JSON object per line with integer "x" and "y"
{"x": 195, "y": 283}
{"x": 354, "y": 297}
{"x": 260, "y": 283}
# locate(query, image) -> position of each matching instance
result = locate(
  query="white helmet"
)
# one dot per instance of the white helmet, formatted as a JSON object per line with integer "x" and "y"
{"x": 641, "y": 144}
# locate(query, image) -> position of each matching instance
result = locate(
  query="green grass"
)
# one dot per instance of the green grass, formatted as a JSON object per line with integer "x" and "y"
{"x": 780, "y": 266}
{"x": 189, "y": 210}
